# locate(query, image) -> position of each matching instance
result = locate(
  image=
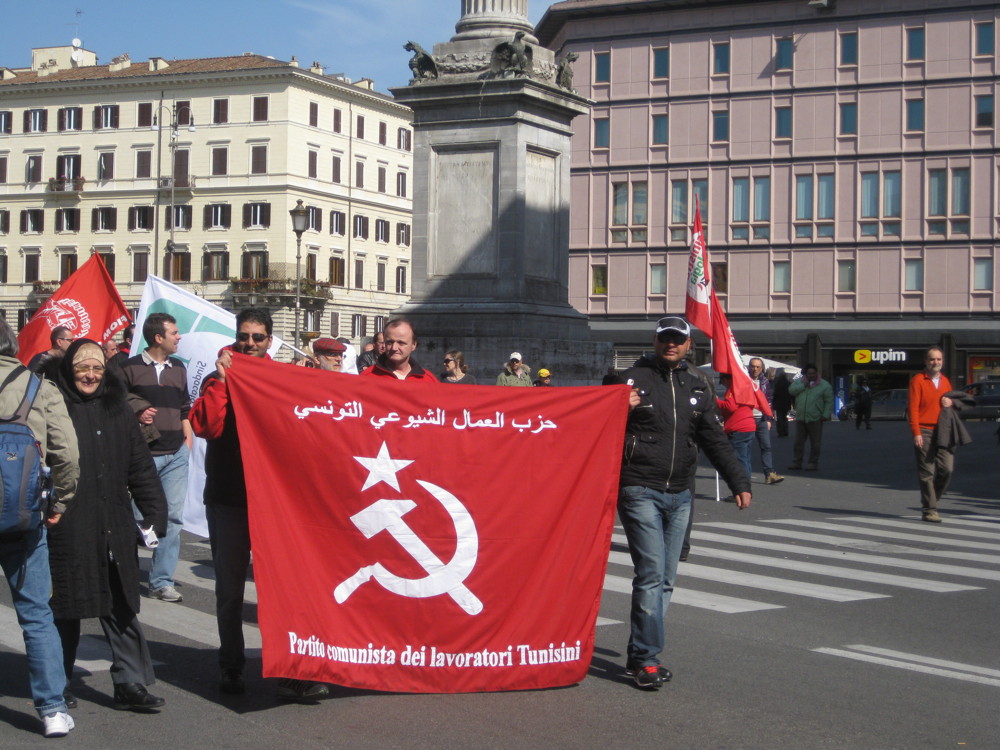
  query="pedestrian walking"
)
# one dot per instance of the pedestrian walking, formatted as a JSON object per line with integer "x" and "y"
{"x": 92, "y": 551}
{"x": 935, "y": 462}
{"x": 515, "y": 372}
{"x": 24, "y": 556}
{"x": 160, "y": 378}
{"x": 863, "y": 404}
{"x": 455, "y": 369}
{"x": 738, "y": 424}
{"x": 813, "y": 406}
{"x": 213, "y": 418}
{"x": 670, "y": 411}
{"x": 763, "y": 422}
{"x": 781, "y": 401}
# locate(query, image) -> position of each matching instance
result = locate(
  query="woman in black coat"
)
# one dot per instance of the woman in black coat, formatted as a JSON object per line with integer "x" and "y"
{"x": 93, "y": 550}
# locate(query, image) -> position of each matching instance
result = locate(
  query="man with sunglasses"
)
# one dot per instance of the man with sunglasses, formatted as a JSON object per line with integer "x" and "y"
{"x": 212, "y": 418}
{"x": 671, "y": 410}
{"x": 60, "y": 338}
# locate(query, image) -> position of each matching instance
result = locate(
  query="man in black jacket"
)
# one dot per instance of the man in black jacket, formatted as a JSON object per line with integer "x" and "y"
{"x": 671, "y": 410}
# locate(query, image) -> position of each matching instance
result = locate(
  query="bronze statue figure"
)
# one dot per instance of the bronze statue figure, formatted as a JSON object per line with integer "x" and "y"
{"x": 421, "y": 64}
{"x": 512, "y": 58}
{"x": 564, "y": 76}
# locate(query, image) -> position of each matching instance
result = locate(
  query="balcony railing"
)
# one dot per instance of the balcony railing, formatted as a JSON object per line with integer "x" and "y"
{"x": 44, "y": 288}
{"x": 280, "y": 291}
{"x": 69, "y": 187}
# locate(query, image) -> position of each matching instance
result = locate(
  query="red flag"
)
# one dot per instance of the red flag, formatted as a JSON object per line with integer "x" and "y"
{"x": 433, "y": 539}
{"x": 697, "y": 307}
{"x": 87, "y": 304}
{"x": 726, "y": 358}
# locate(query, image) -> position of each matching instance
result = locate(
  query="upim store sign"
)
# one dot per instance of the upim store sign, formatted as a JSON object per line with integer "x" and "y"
{"x": 878, "y": 356}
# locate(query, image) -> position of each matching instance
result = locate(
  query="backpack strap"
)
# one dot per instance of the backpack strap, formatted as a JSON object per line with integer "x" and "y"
{"x": 20, "y": 415}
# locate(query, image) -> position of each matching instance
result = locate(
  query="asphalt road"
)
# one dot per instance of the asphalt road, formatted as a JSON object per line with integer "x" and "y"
{"x": 824, "y": 616}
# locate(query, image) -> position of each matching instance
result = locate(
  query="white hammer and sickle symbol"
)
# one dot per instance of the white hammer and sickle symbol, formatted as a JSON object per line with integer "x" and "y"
{"x": 387, "y": 515}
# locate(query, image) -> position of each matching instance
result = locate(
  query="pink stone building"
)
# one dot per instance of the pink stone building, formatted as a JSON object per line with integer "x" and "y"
{"x": 843, "y": 153}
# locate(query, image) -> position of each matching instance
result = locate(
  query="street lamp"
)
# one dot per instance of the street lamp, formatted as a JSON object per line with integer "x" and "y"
{"x": 174, "y": 134}
{"x": 300, "y": 222}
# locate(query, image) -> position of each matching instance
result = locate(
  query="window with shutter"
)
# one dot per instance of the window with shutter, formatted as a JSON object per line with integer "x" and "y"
{"x": 143, "y": 165}
{"x": 337, "y": 271}
{"x": 220, "y": 161}
{"x": 256, "y": 215}
{"x": 311, "y": 267}
{"x": 315, "y": 219}
{"x": 106, "y": 165}
{"x": 140, "y": 267}
{"x": 67, "y": 265}
{"x": 336, "y": 169}
{"x": 314, "y": 114}
{"x": 258, "y": 160}
{"x": 4, "y": 221}
{"x": 3, "y": 273}
{"x": 178, "y": 266}
{"x": 6, "y": 122}
{"x": 34, "y": 171}
{"x": 36, "y": 120}
{"x": 215, "y": 266}
{"x": 182, "y": 113}
{"x": 255, "y": 265}
{"x": 381, "y": 179}
{"x": 3, "y": 170}
{"x": 181, "y": 160}
{"x": 400, "y": 279}
{"x": 336, "y": 121}
{"x": 337, "y": 223}
{"x": 381, "y": 230}
{"x": 131, "y": 218}
{"x": 260, "y": 109}
{"x": 359, "y": 174}
{"x": 380, "y": 277}
{"x": 383, "y": 133}
{"x": 360, "y": 132}
{"x": 220, "y": 111}
{"x": 359, "y": 274}
{"x": 61, "y": 120}
{"x": 144, "y": 115}
{"x": 313, "y": 164}
{"x": 31, "y": 264}
{"x": 401, "y": 184}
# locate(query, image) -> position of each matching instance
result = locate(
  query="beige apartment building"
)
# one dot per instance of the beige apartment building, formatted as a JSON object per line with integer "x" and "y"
{"x": 843, "y": 152}
{"x": 187, "y": 169}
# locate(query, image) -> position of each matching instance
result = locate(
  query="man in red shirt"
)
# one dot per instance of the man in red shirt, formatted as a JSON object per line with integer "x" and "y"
{"x": 934, "y": 463}
{"x": 400, "y": 342}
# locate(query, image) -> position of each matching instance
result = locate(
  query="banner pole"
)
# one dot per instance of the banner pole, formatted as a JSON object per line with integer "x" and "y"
{"x": 718, "y": 495}
{"x": 299, "y": 351}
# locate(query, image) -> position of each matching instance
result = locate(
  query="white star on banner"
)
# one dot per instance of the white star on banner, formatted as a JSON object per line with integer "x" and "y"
{"x": 382, "y": 468}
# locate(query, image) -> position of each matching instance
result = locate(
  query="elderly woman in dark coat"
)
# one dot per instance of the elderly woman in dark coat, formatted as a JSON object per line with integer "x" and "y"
{"x": 93, "y": 551}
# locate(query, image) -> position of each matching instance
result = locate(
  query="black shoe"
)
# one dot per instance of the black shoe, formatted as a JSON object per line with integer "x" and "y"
{"x": 649, "y": 677}
{"x": 231, "y": 681}
{"x": 301, "y": 691}
{"x": 70, "y": 699}
{"x": 684, "y": 557}
{"x": 665, "y": 674}
{"x": 131, "y": 696}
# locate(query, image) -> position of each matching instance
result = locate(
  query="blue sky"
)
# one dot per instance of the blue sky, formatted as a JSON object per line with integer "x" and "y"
{"x": 360, "y": 38}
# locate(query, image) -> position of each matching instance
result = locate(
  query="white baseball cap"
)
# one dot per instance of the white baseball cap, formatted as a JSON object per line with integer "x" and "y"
{"x": 515, "y": 355}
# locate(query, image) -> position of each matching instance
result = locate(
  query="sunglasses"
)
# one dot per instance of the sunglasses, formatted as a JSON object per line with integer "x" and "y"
{"x": 446, "y": 361}
{"x": 671, "y": 337}
{"x": 96, "y": 369}
{"x": 257, "y": 337}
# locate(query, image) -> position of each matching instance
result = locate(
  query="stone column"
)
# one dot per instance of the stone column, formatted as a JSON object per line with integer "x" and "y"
{"x": 493, "y": 18}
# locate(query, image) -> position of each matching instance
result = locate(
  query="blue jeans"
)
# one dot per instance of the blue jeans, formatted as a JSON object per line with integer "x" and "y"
{"x": 26, "y": 564}
{"x": 764, "y": 443}
{"x": 173, "y": 471}
{"x": 654, "y": 524}
{"x": 741, "y": 442}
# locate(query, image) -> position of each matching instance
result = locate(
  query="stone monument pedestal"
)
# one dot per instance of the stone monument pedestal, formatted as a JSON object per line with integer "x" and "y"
{"x": 491, "y": 217}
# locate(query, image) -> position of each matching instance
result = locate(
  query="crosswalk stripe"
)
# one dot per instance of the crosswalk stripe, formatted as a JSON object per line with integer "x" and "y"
{"x": 927, "y": 660}
{"x": 963, "y": 521}
{"x": 717, "y": 602}
{"x": 994, "y": 519}
{"x": 906, "y": 665}
{"x": 92, "y": 655}
{"x": 821, "y": 526}
{"x": 601, "y": 621}
{"x": 943, "y": 528}
{"x": 893, "y": 562}
{"x": 843, "y": 541}
{"x": 767, "y": 583}
{"x": 855, "y": 574}
{"x": 190, "y": 623}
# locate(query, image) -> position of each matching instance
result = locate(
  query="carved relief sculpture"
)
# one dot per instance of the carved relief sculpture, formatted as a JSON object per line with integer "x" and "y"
{"x": 421, "y": 64}
{"x": 513, "y": 58}
{"x": 564, "y": 78}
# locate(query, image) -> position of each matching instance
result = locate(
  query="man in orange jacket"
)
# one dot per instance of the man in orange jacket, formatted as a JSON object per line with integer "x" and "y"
{"x": 934, "y": 463}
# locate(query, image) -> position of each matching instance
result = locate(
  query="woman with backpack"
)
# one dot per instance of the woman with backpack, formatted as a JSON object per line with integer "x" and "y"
{"x": 92, "y": 551}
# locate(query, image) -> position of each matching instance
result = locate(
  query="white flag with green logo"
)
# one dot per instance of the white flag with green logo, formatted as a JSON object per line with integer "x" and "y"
{"x": 205, "y": 328}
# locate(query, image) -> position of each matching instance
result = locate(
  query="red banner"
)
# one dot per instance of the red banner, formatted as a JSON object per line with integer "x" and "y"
{"x": 87, "y": 304}
{"x": 425, "y": 537}
{"x": 697, "y": 305}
